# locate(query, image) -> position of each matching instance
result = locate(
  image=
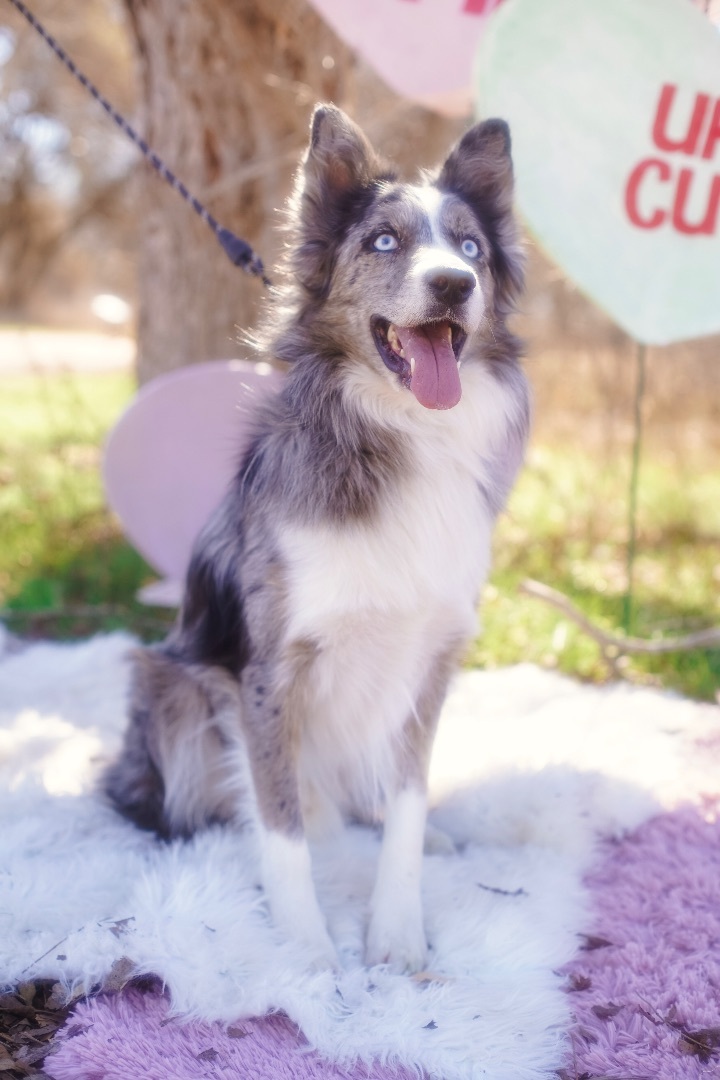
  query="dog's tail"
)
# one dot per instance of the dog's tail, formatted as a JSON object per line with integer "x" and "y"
{"x": 182, "y": 764}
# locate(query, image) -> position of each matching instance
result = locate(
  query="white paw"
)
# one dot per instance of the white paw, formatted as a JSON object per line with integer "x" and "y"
{"x": 397, "y": 938}
{"x": 293, "y": 903}
{"x": 320, "y": 952}
{"x": 304, "y": 926}
{"x": 305, "y": 930}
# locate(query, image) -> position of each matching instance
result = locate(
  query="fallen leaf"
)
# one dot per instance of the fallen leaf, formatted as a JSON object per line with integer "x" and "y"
{"x": 30, "y": 1054}
{"x": 27, "y": 992}
{"x": 120, "y": 974}
{"x": 9, "y": 1003}
{"x": 593, "y": 941}
{"x": 46, "y": 1029}
{"x": 121, "y": 926}
{"x": 58, "y": 997}
{"x": 207, "y": 1055}
{"x": 702, "y": 1044}
{"x": 606, "y": 1012}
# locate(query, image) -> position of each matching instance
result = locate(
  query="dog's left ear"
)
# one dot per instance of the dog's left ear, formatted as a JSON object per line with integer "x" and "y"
{"x": 479, "y": 169}
{"x": 334, "y": 181}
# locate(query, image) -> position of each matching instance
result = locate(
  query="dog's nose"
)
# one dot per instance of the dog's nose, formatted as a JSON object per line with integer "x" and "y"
{"x": 450, "y": 284}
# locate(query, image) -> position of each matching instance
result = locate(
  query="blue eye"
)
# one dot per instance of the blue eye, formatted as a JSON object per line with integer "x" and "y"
{"x": 385, "y": 242}
{"x": 469, "y": 248}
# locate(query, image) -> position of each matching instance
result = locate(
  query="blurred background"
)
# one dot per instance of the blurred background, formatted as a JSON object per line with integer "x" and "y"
{"x": 107, "y": 279}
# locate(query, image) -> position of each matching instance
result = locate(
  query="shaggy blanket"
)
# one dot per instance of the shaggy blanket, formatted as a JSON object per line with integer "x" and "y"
{"x": 531, "y": 771}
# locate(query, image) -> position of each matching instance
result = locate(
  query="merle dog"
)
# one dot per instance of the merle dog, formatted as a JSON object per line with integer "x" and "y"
{"x": 329, "y": 599}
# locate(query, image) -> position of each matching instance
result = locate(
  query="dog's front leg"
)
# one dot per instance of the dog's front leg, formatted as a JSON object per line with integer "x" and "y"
{"x": 271, "y": 734}
{"x": 396, "y": 933}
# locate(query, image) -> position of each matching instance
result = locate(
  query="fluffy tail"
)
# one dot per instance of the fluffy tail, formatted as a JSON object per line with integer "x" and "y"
{"x": 182, "y": 765}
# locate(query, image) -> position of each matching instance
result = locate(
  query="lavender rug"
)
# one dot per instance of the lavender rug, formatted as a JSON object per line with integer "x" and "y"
{"x": 646, "y": 989}
{"x": 131, "y": 1035}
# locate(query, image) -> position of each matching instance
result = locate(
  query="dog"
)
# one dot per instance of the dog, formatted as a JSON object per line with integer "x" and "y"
{"x": 330, "y": 598}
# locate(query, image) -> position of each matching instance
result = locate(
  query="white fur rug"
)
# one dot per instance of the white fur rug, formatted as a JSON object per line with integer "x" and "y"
{"x": 530, "y": 768}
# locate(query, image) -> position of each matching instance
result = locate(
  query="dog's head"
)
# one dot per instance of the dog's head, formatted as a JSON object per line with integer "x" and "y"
{"x": 405, "y": 276}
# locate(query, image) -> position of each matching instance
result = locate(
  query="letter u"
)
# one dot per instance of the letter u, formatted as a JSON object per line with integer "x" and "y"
{"x": 687, "y": 144}
{"x": 707, "y": 225}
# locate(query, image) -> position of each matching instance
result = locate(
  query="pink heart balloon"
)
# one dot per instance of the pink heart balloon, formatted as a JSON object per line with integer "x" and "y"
{"x": 173, "y": 452}
{"x": 423, "y": 49}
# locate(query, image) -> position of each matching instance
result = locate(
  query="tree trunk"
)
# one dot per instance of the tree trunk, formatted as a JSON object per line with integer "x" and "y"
{"x": 227, "y": 88}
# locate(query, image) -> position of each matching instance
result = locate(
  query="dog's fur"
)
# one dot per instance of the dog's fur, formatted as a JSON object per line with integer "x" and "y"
{"x": 330, "y": 597}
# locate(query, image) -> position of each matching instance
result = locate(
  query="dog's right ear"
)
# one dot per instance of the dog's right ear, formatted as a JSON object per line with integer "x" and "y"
{"x": 335, "y": 180}
{"x": 339, "y": 158}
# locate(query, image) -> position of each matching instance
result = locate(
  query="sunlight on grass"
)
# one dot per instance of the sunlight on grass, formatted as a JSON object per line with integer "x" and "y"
{"x": 61, "y": 551}
{"x": 66, "y": 570}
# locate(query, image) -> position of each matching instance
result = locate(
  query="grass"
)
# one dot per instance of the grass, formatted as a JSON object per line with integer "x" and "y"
{"x": 65, "y": 569}
{"x": 567, "y": 526}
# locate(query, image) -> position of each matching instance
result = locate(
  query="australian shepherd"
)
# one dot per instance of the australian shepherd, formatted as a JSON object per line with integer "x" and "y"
{"x": 330, "y": 597}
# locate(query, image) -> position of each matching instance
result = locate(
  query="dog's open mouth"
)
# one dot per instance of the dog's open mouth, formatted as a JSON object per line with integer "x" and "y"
{"x": 425, "y": 358}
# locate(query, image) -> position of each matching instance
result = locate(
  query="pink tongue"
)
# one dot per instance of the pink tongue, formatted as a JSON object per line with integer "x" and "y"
{"x": 435, "y": 381}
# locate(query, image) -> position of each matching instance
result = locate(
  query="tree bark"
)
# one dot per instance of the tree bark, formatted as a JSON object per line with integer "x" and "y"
{"x": 227, "y": 87}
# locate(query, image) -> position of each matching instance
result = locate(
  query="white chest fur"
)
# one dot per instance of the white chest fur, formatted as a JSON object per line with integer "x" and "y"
{"x": 426, "y": 551}
{"x": 424, "y": 554}
{"x": 381, "y": 601}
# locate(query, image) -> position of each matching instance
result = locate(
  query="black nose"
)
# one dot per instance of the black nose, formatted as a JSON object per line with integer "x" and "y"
{"x": 450, "y": 284}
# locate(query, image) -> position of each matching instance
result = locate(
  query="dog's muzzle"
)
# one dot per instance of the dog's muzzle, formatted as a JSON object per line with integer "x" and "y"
{"x": 424, "y": 357}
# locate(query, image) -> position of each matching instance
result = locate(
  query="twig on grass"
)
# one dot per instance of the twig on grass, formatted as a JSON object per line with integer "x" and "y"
{"x": 613, "y": 647}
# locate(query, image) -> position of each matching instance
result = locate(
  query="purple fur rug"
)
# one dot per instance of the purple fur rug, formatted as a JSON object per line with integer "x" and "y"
{"x": 645, "y": 987}
{"x": 130, "y": 1035}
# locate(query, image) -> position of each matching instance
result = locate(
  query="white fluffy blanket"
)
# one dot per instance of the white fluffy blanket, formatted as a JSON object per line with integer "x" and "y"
{"x": 530, "y": 768}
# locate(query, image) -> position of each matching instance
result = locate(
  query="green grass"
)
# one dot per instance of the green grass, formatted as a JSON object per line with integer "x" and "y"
{"x": 566, "y": 526}
{"x": 65, "y": 569}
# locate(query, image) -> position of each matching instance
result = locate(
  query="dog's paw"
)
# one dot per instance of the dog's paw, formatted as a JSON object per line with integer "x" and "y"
{"x": 319, "y": 954}
{"x": 308, "y": 933}
{"x": 397, "y": 939}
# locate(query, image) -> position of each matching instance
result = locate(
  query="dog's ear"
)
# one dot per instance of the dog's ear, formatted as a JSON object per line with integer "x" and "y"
{"x": 334, "y": 183}
{"x": 479, "y": 166}
{"x": 479, "y": 169}
{"x": 339, "y": 158}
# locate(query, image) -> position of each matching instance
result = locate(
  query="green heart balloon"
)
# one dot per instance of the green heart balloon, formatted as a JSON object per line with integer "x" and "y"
{"x": 614, "y": 108}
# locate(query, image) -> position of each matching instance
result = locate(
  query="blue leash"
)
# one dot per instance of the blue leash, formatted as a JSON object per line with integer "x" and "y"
{"x": 238, "y": 251}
